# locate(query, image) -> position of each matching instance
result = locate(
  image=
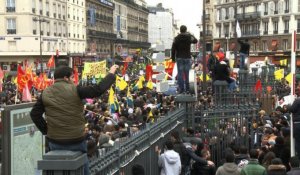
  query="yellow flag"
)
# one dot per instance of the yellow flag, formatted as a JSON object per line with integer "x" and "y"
{"x": 279, "y": 74}
{"x": 283, "y": 62}
{"x": 140, "y": 82}
{"x": 289, "y": 78}
{"x": 207, "y": 77}
{"x": 15, "y": 80}
{"x": 121, "y": 83}
{"x": 111, "y": 97}
{"x": 150, "y": 84}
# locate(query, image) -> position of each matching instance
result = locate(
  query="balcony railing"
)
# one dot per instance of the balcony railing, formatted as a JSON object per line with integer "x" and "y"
{"x": 251, "y": 33}
{"x": 275, "y": 32}
{"x": 10, "y": 9}
{"x": 286, "y": 11}
{"x": 298, "y": 30}
{"x": 33, "y": 10}
{"x": 286, "y": 31}
{"x": 11, "y": 31}
{"x": 251, "y": 15}
{"x": 207, "y": 32}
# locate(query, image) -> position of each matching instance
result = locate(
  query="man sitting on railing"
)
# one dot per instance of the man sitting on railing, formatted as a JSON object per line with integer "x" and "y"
{"x": 223, "y": 74}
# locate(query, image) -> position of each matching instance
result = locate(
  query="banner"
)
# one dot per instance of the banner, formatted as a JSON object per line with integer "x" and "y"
{"x": 97, "y": 69}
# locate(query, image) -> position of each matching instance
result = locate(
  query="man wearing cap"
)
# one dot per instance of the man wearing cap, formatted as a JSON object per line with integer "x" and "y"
{"x": 62, "y": 105}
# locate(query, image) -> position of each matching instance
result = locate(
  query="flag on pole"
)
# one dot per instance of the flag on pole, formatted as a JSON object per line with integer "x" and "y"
{"x": 258, "y": 86}
{"x": 26, "y": 96}
{"x": 238, "y": 30}
{"x": 150, "y": 84}
{"x": 51, "y": 61}
{"x": 279, "y": 74}
{"x": 124, "y": 68}
{"x": 283, "y": 62}
{"x": 121, "y": 84}
{"x": 288, "y": 78}
{"x": 76, "y": 78}
{"x": 114, "y": 105}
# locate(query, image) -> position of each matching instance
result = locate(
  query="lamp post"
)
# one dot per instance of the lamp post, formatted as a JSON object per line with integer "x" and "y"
{"x": 160, "y": 34}
{"x": 204, "y": 44}
{"x": 40, "y": 20}
{"x": 235, "y": 34}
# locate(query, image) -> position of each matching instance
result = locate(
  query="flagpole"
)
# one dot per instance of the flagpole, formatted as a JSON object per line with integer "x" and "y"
{"x": 293, "y": 70}
{"x": 235, "y": 36}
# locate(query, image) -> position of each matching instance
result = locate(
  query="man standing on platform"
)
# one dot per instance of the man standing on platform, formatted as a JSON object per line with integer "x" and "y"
{"x": 64, "y": 121}
{"x": 181, "y": 53}
{"x": 244, "y": 52}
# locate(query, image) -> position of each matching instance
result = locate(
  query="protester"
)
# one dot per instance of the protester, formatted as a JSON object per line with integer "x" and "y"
{"x": 253, "y": 167}
{"x": 295, "y": 166}
{"x": 229, "y": 167}
{"x": 169, "y": 161}
{"x": 62, "y": 104}
{"x": 181, "y": 53}
{"x": 244, "y": 52}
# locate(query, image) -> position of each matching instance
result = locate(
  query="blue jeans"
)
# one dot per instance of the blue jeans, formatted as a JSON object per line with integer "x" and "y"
{"x": 242, "y": 60}
{"x": 82, "y": 146}
{"x": 183, "y": 67}
{"x": 232, "y": 86}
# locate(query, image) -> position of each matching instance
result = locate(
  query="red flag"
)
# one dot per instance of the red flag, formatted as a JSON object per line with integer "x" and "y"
{"x": 76, "y": 76}
{"x": 1, "y": 73}
{"x": 21, "y": 78}
{"x": 149, "y": 72}
{"x": 258, "y": 86}
{"x": 26, "y": 96}
{"x": 124, "y": 68}
{"x": 51, "y": 62}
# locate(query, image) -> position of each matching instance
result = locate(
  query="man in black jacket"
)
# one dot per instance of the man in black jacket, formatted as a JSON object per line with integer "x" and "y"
{"x": 181, "y": 53}
{"x": 63, "y": 108}
{"x": 295, "y": 110}
{"x": 244, "y": 52}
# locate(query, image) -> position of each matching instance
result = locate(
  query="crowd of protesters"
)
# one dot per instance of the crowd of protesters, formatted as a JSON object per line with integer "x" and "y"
{"x": 105, "y": 128}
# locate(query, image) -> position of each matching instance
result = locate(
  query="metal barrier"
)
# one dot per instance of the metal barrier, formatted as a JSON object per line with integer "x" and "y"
{"x": 139, "y": 148}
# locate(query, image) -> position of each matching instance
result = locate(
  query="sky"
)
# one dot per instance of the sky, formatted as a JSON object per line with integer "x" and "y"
{"x": 187, "y": 11}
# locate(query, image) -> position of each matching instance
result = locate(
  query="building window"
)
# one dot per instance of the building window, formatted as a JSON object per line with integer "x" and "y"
{"x": 47, "y": 8}
{"x": 286, "y": 26}
{"x": 10, "y": 6}
{"x": 11, "y": 26}
{"x": 285, "y": 44}
{"x": 255, "y": 46}
{"x": 266, "y": 8}
{"x": 275, "y": 25}
{"x": 276, "y": 7}
{"x": 266, "y": 27}
{"x": 298, "y": 44}
{"x": 33, "y": 6}
{"x": 264, "y": 46}
{"x": 41, "y": 7}
{"x": 54, "y": 10}
{"x": 287, "y": 6}
{"x": 298, "y": 26}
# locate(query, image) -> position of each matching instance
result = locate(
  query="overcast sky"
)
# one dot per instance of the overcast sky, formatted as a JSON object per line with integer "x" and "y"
{"x": 187, "y": 11}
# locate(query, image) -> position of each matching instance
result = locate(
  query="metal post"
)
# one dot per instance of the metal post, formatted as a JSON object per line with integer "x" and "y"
{"x": 204, "y": 45}
{"x": 235, "y": 34}
{"x": 40, "y": 27}
{"x": 160, "y": 35}
{"x": 40, "y": 30}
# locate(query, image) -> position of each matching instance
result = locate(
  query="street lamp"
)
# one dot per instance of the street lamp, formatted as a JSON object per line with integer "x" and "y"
{"x": 160, "y": 34}
{"x": 204, "y": 44}
{"x": 40, "y": 20}
{"x": 235, "y": 34}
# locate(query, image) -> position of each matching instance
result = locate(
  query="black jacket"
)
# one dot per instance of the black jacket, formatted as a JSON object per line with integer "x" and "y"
{"x": 245, "y": 47}
{"x": 181, "y": 47}
{"x": 295, "y": 109}
{"x": 222, "y": 73}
